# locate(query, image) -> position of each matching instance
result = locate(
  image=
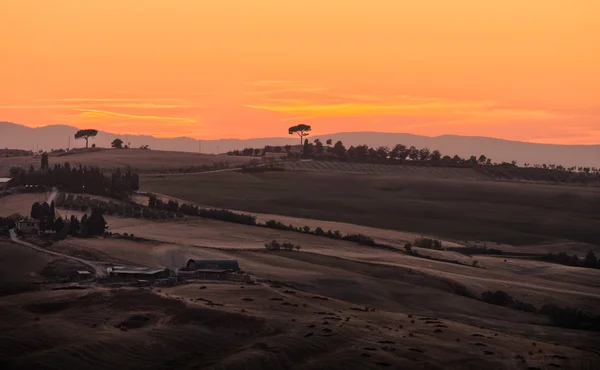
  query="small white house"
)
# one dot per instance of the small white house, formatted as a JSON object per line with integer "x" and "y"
{"x": 29, "y": 226}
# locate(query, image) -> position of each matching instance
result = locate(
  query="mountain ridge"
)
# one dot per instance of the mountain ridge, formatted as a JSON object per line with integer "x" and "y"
{"x": 13, "y": 135}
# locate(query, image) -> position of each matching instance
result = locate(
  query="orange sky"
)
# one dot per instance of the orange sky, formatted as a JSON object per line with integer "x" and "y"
{"x": 516, "y": 69}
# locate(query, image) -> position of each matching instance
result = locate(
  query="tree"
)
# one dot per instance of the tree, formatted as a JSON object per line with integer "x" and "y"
{"x": 319, "y": 146}
{"x": 436, "y": 156}
{"x": 74, "y": 225}
{"x": 424, "y": 154}
{"x": 329, "y": 142}
{"x": 44, "y": 161}
{"x": 300, "y": 130}
{"x": 117, "y": 143}
{"x": 36, "y": 211}
{"x": 413, "y": 153}
{"x": 59, "y": 225}
{"x": 307, "y": 148}
{"x": 398, "y": 152}
{"x": 590, "y": 260}
{"x": 482, "y": 159}
{"x": 382, "y": 152}
{"x": 86, "y": 134}
{"x": 96, "y": 224}
{"x": 339, "y": 149}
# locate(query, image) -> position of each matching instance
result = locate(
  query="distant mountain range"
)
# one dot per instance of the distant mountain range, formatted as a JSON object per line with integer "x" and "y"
{"x": 59, "y": 136}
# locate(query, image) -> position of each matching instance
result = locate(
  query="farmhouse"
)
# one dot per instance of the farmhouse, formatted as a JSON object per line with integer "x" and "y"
{"x": 14, "y": 152}
{"x": 4, "y": 182}
{"x": 135, "y": 273}
{"x": 29, "y": 226}
{"x": 226, "y": 265}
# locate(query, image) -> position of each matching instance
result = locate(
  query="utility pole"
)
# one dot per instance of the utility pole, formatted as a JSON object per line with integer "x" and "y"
{"x": 69, "y": 146}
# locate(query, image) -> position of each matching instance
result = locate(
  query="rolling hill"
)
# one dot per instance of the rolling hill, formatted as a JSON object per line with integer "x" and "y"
{"x": 57, "y": 136}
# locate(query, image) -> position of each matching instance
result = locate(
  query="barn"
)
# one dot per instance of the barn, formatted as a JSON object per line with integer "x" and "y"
{"x": 135, "y": 272}
{"x": 217, "y": 265}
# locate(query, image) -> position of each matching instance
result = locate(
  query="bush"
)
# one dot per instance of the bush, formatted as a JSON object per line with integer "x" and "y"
{"x": 360, "y": 239}
{"x": 276, "y": 246}
{"x": 272, "y": 224}
{"x": 428, "y": 243}
{"x": 227, "y": 215}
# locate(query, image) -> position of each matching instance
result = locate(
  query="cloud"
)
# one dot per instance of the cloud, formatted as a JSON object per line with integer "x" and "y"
{"x": 300, "y": 101}
{"x": 102, "y": 114}
{"x": 119, "y": 103}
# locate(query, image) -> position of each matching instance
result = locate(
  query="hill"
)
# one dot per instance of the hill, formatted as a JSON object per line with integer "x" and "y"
{"x": 57, "y": 136}
{"x": 143, "y": 161}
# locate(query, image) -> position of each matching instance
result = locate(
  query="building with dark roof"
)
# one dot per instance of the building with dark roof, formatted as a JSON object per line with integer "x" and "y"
{"x": 226, "y": 265}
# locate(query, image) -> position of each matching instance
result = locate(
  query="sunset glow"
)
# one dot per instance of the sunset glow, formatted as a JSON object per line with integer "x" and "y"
{"x": 513, "y": 69}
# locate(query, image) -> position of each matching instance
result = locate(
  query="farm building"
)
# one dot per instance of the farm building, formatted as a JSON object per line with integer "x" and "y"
{"x": 14, "y": 152}
{"x": 135, "y": 273}
{"x": 28, "y": 226}
{"x": 4, "y": 182}
{"x": 217, "y": 265}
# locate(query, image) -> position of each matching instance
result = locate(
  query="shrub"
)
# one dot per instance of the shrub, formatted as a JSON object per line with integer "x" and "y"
{"x": 272, "y": 224}
{"x": 274, "y": 245}
{"x": 359, "y": 238}
{"x": 319, "y": 232}
{"x": 227, "y": 215}
{"x": 428, "y": 243}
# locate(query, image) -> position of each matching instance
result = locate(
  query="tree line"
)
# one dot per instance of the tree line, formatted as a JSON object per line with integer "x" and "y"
{"x": 397, "y": 154}
{"x": 45, "y": 213}
{"x": 81, "y": 179}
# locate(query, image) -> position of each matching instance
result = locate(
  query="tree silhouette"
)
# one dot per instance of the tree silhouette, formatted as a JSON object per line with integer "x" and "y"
{"x": 44, "y": 161}
{"x": 36, "y": 211}
{"x": 319, "y": 146}
{"x": 300, "y": 130}
{"x": 86, "y": 134}
{"x": 117, "y": 143}
{"x": 339, "y": 149}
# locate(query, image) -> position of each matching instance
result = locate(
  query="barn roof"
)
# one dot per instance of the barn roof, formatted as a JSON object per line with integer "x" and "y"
{"x": 136, "y": 270}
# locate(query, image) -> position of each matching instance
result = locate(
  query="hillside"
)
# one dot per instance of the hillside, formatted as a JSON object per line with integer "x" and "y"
{"x": 57, "y": 136}
{"x": 143, "y": 161}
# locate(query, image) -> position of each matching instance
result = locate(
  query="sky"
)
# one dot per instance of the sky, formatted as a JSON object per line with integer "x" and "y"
{"x": 512, "y": 69}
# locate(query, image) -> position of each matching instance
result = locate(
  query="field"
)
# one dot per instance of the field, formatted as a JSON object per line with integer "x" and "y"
{"x": 143, "y": 161}
{"x": 456, "y": 209}
{"x": 333, "y": 304}
{"x": 367, "y": 168}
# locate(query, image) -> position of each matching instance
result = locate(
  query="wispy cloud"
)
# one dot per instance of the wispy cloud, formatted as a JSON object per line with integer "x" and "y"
{"x": 300, "y": 101}
{"x": 103, "y": 103}
{"x": 102, "y": 114}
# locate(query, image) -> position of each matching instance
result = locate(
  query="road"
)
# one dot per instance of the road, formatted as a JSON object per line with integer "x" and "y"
{"x": 100, "y": 271}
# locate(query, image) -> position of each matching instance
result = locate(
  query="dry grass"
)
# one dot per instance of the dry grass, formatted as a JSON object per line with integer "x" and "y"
{"x": 513, "y": 213}
{"x": 142, "y": 160}
{"x": 402, "y": 170}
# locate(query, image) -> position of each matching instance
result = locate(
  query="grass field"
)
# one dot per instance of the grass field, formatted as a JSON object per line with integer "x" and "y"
{"x": 368, "y": 168}
{"x": 142, "y": 160}
{"x": 513, "y": 213}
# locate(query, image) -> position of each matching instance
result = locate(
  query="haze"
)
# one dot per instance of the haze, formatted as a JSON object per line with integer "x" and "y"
{"x": 511, "y": 69}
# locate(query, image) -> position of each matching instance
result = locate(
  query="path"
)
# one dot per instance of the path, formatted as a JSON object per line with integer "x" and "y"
{"x": 100, "y": 271}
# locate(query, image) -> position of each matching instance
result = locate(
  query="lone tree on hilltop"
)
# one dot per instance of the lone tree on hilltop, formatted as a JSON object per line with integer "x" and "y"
{"x": 86, "y": 134}
{"x": 300, "y": 130}
{"x": 117, "y": 143}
